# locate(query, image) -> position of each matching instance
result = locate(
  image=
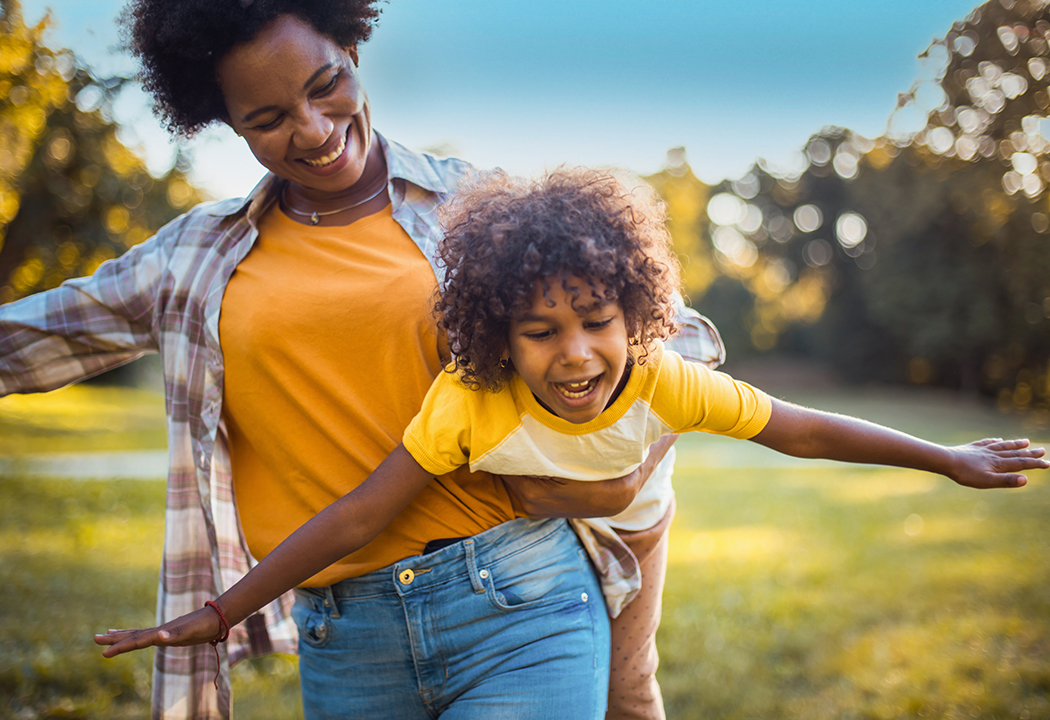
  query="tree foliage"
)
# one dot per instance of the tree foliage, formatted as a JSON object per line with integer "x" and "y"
{"x": 920, "y": 257}
{"x": 72, "y": 195}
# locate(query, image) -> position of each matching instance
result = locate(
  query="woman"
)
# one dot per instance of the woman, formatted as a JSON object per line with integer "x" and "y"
{"x": 297, "y": 341}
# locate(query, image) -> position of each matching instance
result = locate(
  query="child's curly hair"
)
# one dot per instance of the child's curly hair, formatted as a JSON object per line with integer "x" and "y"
{"x": 503, "y": 235}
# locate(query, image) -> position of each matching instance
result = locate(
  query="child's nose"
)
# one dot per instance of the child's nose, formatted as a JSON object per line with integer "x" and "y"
{"x": 576, "y": 350}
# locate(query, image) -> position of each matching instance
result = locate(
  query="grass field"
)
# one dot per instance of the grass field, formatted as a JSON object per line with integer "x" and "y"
{"x": 798, "y": 591}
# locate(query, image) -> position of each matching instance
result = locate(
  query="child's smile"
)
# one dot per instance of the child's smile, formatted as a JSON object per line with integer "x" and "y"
{"x": 573, "y": 359}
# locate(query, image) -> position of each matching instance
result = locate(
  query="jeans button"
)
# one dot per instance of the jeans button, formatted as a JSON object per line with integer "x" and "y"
{"x": 406, "y": 577}
{"x": 483, "y": 574}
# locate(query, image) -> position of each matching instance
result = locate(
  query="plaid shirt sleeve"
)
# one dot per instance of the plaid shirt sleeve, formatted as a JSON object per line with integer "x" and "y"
{"x": 85, "y": 326}
{"x": 697, "y": 338}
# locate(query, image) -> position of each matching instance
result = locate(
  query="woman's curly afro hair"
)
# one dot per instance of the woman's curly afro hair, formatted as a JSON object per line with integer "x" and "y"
{"x": 180, "y": 42}
{"x": 503, "y": 235}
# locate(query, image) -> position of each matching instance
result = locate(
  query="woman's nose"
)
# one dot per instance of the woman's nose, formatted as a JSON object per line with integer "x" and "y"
{"x": 313, "y": 130}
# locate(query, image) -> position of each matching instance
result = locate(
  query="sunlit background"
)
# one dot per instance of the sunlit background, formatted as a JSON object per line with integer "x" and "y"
{"x": 870, "y": 230}
{"x": 528, "y": 85}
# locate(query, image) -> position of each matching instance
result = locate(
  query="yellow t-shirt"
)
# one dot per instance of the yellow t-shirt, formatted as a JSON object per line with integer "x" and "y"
{"x": 509, "y": 432}
{"x": 330, "y": 345}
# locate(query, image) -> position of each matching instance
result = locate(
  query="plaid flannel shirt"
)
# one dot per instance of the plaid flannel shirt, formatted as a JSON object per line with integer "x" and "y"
{"x": 164, "y": 296}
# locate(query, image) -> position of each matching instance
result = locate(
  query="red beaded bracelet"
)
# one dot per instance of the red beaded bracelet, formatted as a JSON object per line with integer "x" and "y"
{"x": 225, "y": 625}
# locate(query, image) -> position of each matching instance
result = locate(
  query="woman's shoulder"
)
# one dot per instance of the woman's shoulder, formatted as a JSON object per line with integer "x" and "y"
{"x": 442, "y": 175}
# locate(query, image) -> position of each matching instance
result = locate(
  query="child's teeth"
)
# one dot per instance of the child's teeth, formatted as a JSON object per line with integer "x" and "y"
{"x": 576, "y": 389}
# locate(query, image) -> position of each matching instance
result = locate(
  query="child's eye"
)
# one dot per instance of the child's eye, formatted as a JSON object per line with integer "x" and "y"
{"x": 598, "y": 324}
{"x": 539, "y": 334}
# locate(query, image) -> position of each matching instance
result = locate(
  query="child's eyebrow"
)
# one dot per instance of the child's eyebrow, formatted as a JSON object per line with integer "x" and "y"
{"x": 529, "y": 317}
{"x": 596, "y": 306}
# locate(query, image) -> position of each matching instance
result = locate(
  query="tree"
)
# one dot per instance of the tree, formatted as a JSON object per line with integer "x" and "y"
{"x": 73, "y": 195}
{"x": 920, "y": 257}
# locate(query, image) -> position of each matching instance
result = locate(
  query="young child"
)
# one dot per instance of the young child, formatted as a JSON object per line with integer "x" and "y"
{"x": 557, "y": 296}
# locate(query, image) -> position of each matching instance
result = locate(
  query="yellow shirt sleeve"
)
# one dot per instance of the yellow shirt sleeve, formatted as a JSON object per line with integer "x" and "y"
{"x": 439, "y": 435}
{"x": 689, "y": 396}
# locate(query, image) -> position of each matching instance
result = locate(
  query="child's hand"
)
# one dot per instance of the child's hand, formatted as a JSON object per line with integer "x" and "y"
{"x": 195, "y": 628}
{"x": 995, "y": 463}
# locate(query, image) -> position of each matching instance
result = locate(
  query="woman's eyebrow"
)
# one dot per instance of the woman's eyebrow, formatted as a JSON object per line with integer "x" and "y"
{"x": 317, "y": 73}
{"x": 306, "y": 86}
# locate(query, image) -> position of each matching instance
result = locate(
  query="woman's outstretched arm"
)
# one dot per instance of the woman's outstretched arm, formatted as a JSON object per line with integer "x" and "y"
{"x": 343, "y": 527}
{"x": 806, "y": 433}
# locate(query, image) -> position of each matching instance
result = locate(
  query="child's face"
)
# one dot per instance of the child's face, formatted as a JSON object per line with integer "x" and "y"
{"x": 572, "y": 359}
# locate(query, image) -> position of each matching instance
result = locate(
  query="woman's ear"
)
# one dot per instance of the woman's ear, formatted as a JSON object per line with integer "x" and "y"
{"x": 352, "y": 52}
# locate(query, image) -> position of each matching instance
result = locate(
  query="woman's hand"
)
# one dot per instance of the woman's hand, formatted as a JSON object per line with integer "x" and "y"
{"x": 995, "y": 463}
{"x": 196, "y": 628}
{"x": 546, "y": 497}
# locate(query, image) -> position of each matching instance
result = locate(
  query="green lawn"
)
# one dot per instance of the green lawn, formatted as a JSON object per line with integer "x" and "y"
{"x": 82, "y": 418}
{"x": 810, "y": 591}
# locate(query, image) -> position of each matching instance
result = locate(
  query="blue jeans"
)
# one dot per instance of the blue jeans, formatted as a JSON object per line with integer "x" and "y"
{"x": 507, "y": 624}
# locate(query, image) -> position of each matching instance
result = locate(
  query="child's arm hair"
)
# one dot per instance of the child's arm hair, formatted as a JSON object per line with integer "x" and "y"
{"x": 806, "y": 433}
{"x": 343, "y": 527}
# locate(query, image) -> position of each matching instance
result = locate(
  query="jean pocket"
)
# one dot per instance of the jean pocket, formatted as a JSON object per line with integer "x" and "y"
{"x": 315, "y": 627}
{"x": 543, "y": 581}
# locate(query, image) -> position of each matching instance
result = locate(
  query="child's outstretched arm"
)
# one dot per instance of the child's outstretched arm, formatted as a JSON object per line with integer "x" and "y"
{"x": 343, "y": 527}
{"x": 806, "y": 433}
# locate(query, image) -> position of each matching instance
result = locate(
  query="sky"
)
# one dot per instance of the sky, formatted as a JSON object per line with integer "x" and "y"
{"x": 530, "y": 85}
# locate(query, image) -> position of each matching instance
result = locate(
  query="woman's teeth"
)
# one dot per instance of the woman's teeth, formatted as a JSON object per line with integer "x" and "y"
{"x": 577, "y": 389}
{"x": 330, "y": 157}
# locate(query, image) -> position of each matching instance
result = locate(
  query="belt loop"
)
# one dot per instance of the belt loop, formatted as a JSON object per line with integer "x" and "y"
{"x": 329, "y": 602}
{"x": 472, "y": 567}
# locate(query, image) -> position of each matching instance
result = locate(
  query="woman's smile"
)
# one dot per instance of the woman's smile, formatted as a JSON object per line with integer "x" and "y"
{"x": 331, "y": 157}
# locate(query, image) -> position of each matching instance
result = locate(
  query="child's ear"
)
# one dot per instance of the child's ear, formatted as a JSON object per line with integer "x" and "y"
{"x": 504, "y": 359}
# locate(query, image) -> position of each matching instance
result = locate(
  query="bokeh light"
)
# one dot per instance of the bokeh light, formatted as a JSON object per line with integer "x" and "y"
{"x": 808, "y": 218}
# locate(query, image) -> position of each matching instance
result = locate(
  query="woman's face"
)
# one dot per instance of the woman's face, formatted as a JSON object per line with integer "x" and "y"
{"x": 295, "y": 97}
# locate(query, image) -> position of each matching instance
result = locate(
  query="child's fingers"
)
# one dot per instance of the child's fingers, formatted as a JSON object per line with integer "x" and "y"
{"x": 137, "y": 641}
{"x": 995, "y": 480}
{"x": 114, "y": 636}
{"x": 1015, "y": 481}
{"x": 986, "y": 442}
{"x": 998, "y": 444}
{"x": 1028, "y": 454}
{"x": 1027, "y": 462}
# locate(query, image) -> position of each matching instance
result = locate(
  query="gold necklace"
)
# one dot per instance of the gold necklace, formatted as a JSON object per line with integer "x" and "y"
{"x": 315, "y": 217}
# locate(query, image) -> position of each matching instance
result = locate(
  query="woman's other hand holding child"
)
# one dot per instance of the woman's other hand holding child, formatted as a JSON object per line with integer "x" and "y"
{"x": 547, "y": 497}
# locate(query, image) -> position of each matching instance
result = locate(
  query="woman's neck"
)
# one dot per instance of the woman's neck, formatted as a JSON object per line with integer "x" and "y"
{"x": 367, "y": 196}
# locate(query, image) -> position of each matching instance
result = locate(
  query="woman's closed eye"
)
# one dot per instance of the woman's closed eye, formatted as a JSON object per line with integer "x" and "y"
{"x": 270, "y": 125}
{"x": 328, "y": 87}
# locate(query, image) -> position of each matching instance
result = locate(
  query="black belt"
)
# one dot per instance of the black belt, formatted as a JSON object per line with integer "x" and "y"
{"x": 435, "y": 545}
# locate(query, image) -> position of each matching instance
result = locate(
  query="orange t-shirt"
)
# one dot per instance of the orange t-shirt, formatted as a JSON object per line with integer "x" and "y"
{"x": 330, "y": 346}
